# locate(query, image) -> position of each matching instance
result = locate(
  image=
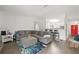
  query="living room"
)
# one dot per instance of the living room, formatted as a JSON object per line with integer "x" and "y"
{"x": 38, "y": 29}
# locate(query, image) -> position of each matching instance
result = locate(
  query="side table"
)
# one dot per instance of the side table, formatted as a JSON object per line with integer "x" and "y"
{"x": 6, "y": 38}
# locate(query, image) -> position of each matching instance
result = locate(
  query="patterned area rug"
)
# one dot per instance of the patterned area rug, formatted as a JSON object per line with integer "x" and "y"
{"x": 32, "y": 49}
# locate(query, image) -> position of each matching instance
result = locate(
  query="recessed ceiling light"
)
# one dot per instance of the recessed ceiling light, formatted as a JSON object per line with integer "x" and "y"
{"x": 54, "y": 20}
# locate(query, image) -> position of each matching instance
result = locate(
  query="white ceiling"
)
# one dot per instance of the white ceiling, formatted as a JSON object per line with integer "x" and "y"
{"x": 39, "y": 10}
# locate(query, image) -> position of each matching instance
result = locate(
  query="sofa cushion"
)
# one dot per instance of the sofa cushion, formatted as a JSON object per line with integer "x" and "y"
{"x": 46, "y": 39}
{"x": 76, "y": 38}
{"x": 21, "y": 34}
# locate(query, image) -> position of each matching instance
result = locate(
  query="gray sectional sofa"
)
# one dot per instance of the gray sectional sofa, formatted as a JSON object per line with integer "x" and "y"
{"x": 29, "y": 38}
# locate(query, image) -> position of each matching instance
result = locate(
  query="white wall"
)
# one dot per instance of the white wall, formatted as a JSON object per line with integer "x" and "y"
{"x": 14, "y": 23}
{"x": 42, "y": 23}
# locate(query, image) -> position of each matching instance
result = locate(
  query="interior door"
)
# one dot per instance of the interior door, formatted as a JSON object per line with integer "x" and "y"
{"x": 74, "y": 30}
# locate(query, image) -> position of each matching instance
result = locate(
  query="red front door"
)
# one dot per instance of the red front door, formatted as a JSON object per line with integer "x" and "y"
{"x": 74, "y": 30}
